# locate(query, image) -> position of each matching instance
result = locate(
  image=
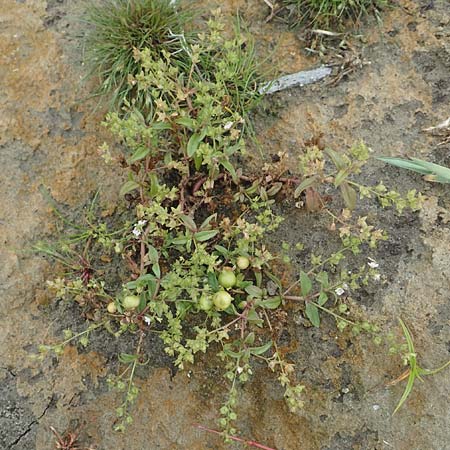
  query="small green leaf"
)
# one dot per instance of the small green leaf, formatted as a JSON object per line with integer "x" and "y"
{"x": 349, "y": 195}
{"x": 203, "y": 236}
{"x": 262, "y": 349}
{"x": 229, "y": 167}
{"x": 139, "y": 154}
{"x": 206, "y": 222}
{"x": 159, "y": 126}
{"x": 231, "y": 353}
{"x": 128, "y": 187}
{"x": 144, "y": 279}
{"x": 126, "y": 358}
{"x": 194, "y": 142}
{"x": 322, "y": 278}
{"x": 276, "y": 187}
{"x": 156, "y": 270}
{"x": 189, "y": 222}
{"x": 312, "y": 313}
{"x": 254, "y": 291}
{"x": 152, "y": 254}
{"x": 323, "y": 298}
{"x": 198, "y": 160}
{"x": 305, "y": 284}
{"x": 258, "y": 278}
{"x": 341, "y": 177}
{"x": 185, "y": 122}
{"x": 271, "y": 303}
{"x": 222, "y": 250}
{"x": 337, "y": 159}
{"x": 154, "y": 184}
{"x": 254, "y": 318}
{"x": 250, "y": 339}
{"x": 308, "y": 182}
{"x": 180, "y": 240}
{"x": 212, "y": 281}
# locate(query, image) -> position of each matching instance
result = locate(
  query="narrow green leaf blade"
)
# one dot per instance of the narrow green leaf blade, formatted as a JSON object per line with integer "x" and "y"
{"x": 229, "y": 167}
{"x": 308, "y": 182}
{"x": 203, "y": 236}
{"x": 139, "y": 154}
{"x": 262, "y": 349}
{"x": 337, "y": 159}
{"x": 406, "y": 164}
{"x": 271, "y": 303}
{"x": 194, "y": 142}
{"x": 128, "y": 187}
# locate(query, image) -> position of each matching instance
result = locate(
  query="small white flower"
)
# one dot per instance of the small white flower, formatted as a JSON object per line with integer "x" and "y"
{"x": 228, "y": 125}
{"x": 137, "y": 230}
{"x": 147, "y": 320}
{"x": 377, "y": 277}
{"x": 239, "y": 370}
{"x": 339, "y": 291}
{"x": 372, "y": 263}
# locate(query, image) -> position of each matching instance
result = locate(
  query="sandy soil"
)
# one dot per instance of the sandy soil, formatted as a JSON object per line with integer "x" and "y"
{"x": 48, "y": 137}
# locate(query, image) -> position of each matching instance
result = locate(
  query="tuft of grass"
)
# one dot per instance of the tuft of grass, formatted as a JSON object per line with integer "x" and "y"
{"x": 331, "y": 14}
{"x": 121, "y": 29}
{"x": 118, "y": 28}
{"x": 414, "y": 372}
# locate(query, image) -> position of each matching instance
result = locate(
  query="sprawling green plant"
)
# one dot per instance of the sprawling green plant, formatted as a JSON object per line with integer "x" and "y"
{"x": 191, "y": 263}
{"x": 123, "y": 30}
{"x": 331, "y": 14}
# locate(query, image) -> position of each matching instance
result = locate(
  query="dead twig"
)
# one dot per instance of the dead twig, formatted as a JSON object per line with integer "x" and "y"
{"x": 442, "y": 129}
{"x": 272, "y": 10}
{"x": 401, "y": 377}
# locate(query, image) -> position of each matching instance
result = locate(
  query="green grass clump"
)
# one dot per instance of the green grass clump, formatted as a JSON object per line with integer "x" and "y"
{"x": 118, "y": 29}
{"x": 331, "y": 14}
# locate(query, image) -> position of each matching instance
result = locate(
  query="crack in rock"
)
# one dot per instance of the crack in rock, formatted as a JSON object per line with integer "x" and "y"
{"x": 30, "y": 426}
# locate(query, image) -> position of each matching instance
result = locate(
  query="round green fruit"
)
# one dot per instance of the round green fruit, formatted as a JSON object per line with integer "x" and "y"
{"x": 205, "y": 303}
{"x": 112, "y": 309}
{"x": 227, "y": 278}
{"x": 242, "y": 304}
{"x": 131, "y": 302}
{"x": 222, "y": 300}
{"x": 243, "y": 262}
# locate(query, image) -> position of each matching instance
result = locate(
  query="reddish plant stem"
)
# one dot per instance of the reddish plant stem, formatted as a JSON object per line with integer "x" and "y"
{"x": 234, "y": 438}
{"x": 285, "y": 180}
